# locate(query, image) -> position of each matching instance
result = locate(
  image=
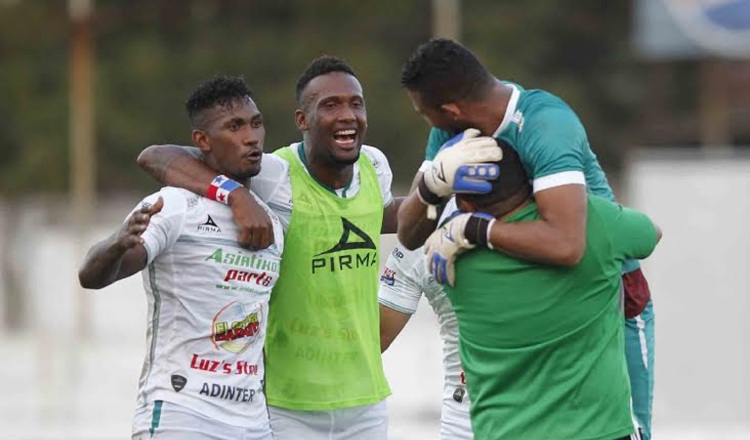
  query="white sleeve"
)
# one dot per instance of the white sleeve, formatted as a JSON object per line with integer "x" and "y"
{"x": 403, "y": 280}
{"x": 382, "y": 170}
{"x": 273, "y": 185}
{"x": 273, "y": 171}
{"x": 165, "y": 226}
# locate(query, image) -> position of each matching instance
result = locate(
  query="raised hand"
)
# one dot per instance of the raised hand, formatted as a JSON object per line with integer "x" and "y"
{"x": 130, "y": 233}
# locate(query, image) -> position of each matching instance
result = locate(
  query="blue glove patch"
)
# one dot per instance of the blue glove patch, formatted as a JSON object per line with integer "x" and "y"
{"x": 474, "y": 178}
{"x": 438, "y": 268}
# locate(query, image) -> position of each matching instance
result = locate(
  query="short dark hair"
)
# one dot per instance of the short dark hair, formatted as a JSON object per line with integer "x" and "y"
{"x": 512, "y": 180}
{"x": 320, "y": 66}
{"x": 220, "y": 90}
{"x": 442, "y": 71}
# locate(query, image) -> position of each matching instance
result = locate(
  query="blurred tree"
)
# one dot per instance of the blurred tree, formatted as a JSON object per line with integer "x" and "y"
{"x": 151, "y": 54}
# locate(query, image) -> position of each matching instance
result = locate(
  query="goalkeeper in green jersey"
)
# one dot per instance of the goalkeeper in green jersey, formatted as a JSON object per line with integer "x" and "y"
{"x": 450, "y": 87}
{"x": 542, "y": 346}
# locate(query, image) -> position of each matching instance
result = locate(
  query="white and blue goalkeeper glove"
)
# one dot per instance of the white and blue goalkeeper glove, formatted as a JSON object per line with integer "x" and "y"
{"x": 460, "y": 167}
{"x": 463, "y": 232}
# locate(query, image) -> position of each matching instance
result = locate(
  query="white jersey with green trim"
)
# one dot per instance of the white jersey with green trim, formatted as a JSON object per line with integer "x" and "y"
{"x": 207, "y": 309}
{"x": 403, "y": 280}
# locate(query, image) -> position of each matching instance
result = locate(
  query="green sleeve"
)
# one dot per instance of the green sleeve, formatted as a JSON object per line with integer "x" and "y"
{"x": 552, "y": 141}
{"x": 434, "y": 142}
{"x": 633, "y": 233}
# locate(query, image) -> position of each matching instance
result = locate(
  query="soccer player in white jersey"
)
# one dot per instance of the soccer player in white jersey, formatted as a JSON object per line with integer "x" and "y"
{"x": 203, "y": 374}
{"x": 405, "y": 277}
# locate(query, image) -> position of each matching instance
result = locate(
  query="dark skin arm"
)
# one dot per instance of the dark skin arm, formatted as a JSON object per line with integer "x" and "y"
{"x": 413, "y": 225}
{"x": 390, "y": 216}
{"x": 391, "y": 324}
{"x": 182, "y": 167}
{"x": 120, "y": 255}
{"x": 558, "y": 238}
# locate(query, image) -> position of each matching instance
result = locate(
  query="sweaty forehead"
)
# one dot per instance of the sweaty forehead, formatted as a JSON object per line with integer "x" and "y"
{"x": 337, "y": 84}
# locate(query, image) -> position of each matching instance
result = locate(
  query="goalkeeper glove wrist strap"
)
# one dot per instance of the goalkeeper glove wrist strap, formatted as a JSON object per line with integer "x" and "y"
{"x": 477, "y": 230}
{"x": 426, "y": 196}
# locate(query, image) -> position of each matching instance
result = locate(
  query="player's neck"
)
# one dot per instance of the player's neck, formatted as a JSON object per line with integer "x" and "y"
{"x": 332, "y": 174}
{"x": 488, "y": 114}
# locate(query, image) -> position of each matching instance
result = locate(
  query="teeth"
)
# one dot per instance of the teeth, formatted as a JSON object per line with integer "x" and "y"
{"x": 346, "y": 132}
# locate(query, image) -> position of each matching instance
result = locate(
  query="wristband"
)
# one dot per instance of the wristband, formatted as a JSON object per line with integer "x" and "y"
{"x": 429, "y": 198}
{"x": 477, "y": 230}
{"x": 426, "y": 196}
{"x": 220, "y": 188}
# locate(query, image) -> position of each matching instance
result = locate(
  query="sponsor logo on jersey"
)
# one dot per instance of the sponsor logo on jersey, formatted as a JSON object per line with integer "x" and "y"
{"x": 250, "y": 260}
{"x": 338, "y": 258}
{"x": 209, "y": 226}
{"x": 388, "y": 277}
{"x": 223, "y": 367}
{"x": 228, "y": 392}
{"x": 458, "y": 394}
{"x": 236, "y": 326}
{"x": 397, "y": 253}
{"x": 261, "y": 279}
{"x": 178, "y": 382}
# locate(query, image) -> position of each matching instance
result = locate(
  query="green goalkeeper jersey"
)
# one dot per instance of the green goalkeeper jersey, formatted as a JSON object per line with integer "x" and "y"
{"x": 551, "y": 142}
{"x": 542, "y": 346}
{"x": 323, "y": 338}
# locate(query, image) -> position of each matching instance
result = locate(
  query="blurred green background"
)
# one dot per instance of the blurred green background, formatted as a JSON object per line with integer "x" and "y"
{"x": 149, "y": 55}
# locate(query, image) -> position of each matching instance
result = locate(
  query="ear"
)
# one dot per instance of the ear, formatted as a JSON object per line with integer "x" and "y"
{"x": 300, "y": 118}
{"x": 200, "y": 140}
{"x": 451, "y": 109}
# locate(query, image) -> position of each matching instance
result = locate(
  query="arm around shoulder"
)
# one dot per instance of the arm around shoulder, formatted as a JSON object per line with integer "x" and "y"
{"x": 557, "y": 238}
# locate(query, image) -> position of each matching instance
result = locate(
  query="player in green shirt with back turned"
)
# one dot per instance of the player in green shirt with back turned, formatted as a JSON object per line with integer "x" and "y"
{"x": 541, "y": 345}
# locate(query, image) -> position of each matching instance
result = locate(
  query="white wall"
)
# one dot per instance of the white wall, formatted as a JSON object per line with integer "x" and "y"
{"x": 700, "y": 281}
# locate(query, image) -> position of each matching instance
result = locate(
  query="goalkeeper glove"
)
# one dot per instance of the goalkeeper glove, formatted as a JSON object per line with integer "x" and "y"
{"x": 460, "y": 167}
{"x": 463, "y": 232}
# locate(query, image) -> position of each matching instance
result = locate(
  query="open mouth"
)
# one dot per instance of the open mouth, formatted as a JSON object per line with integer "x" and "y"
{"x": 254, "y": 155}
{"x": 345, "y": 138}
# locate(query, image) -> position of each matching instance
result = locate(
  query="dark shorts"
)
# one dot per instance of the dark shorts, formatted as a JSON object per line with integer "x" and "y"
{"x": 637, "y": 293}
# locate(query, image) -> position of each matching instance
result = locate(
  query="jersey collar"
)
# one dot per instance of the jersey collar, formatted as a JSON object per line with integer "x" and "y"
{"x": 509, "y": 111}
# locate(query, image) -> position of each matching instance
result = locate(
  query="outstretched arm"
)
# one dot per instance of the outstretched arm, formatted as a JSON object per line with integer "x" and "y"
{"x": 119, "y": 255}
{"x": 182, "y": 167}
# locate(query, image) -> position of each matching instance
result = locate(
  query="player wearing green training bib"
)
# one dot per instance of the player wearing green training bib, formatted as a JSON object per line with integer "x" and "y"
{"x": 542, "y": 346}
{"x": 323, "y": 331}
{"x": 452, "y": 89}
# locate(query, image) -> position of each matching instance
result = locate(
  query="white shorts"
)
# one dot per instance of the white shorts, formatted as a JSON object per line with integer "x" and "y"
{"x": 367, "y": 422}
{"x": 169, "y": 421}
{"x": 455, "y": 425}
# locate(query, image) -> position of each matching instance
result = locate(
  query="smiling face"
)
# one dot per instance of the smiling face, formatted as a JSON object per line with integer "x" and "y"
{"x": 232, "y": 138}
{"x": 333, "y": 118}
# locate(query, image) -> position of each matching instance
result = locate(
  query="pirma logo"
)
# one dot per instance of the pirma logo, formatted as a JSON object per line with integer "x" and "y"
{"x": 209, "y": 225}
{"x": 178, "y": 382}
{"x": 352, "y": 238}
